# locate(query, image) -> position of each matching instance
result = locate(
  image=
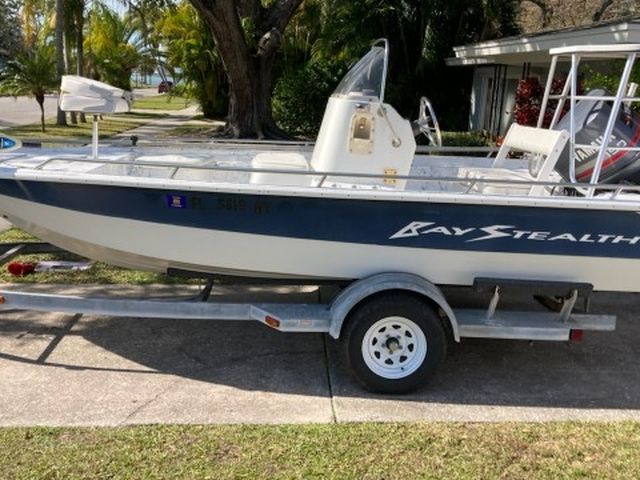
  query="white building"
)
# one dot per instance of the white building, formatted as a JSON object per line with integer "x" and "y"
{"x": 500, "y": 64}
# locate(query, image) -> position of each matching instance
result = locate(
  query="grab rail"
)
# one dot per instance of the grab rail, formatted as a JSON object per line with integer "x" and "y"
{"x": 570, "y": 92}
{"x": 466, "y": 183}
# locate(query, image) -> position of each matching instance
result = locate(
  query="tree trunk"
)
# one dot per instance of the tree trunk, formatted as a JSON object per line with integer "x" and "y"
{"x": 249, "y": 69}
{"x": 80, "y": 49}
{"x": 67, "y": 68}
{"x": 40, "y": 100}
{"x": 250, "y": 98}
{"x": 59, "y": 39}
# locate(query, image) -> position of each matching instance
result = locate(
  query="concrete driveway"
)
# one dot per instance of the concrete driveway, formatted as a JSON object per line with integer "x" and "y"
{"x": 72, "y": 370}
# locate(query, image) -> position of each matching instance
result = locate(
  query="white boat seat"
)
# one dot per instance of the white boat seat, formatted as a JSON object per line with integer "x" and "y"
{"x": 518, "y": 176}
{"x": 541, "y": 144}
{"x": 80, "y": 94}
{"x": 288, "y": 161}
{"x": 628, "y": 196}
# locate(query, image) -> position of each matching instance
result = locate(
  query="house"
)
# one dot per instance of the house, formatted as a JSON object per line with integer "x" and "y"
{"x": 499, "y": 65}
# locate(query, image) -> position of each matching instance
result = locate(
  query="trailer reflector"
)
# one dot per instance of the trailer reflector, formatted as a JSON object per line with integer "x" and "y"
{"x": 576, "y": 335}
{"x": 271, "y": 321}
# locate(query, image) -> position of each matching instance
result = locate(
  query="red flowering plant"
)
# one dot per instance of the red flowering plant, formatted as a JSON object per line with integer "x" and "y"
{"x": 529, "y": 101}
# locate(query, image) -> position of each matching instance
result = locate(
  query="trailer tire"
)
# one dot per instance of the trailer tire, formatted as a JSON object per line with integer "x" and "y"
{"x": 394, "y": 342}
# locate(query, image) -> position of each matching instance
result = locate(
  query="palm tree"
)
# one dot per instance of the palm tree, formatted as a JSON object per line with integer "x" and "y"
{"x": 74, "y": 38}
{"x": 34, "y": 19}
{"x": 189, "y": 45}
{"x": 114, "y": 50}
{"x": 32, "y": 73}
{"x": 59, "y": 43}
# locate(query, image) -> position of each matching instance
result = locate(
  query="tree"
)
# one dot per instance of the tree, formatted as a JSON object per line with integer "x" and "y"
{"x": 74, "y": 37}
{"x": 422, "y": 34}
{"x": 32, "y": 73}
{"x": 144, "y": 15}
{"x": 61, "y": 118}
{"x": 34, "y": 21}
{"x": 189, "y": 45}
{"x": 602, "y": 8}
{"x": 248, "y": 34}
{"x": 113, "y": 52}
{"x": 10, "y": 37}
{"x": 77, "y": 12}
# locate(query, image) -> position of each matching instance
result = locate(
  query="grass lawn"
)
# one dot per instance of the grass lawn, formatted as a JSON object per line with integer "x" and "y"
{"x": 161, "y": 102}
{"x": 344, "y": 451}
{"x": 195, "y": 130}
{"x": 109, "y": 126}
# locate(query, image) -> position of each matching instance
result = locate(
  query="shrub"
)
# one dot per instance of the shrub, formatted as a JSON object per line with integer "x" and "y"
{"x": 300, "y": 96}
{"x": 529, "y": 101}
{"x": 465, "y": 139}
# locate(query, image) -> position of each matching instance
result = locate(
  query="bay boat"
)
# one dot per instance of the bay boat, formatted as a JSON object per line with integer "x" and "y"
{"x": 363, "y": 208}
{"x": 360, "y": 203}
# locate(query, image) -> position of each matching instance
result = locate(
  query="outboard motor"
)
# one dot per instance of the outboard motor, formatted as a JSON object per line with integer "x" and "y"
{"x": 591, "y": 117}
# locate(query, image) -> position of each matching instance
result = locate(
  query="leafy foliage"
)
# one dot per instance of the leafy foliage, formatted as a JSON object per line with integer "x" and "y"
{"x": 300, "y": 95}
{"x": 10, "y": 36}
{"x": 465, "y": 139}
{"x": 109, "y": 43}
{"x": 190, "y": 46}
{"x": 325, "y": 36}
{"x": 421, "y": 34}
{"x": 32, "y": 73}
{"x": 36, "y": 16}
{"x": 528, "y": 100}
{"x": 609, "y": 79}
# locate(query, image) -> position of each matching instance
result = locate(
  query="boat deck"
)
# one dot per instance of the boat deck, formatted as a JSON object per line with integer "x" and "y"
{"x": 228, "y": 165}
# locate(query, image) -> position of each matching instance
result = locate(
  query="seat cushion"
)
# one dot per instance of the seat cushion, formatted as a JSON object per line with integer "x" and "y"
{"x": 283, "y": 160}
{"x": 280, "y": 161}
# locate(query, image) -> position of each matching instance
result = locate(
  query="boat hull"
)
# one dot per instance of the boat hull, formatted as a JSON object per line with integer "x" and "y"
{"x": 298, "y": 237}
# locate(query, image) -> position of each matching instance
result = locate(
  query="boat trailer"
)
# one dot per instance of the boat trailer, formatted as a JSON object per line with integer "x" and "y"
{"x": 386, "y": 321}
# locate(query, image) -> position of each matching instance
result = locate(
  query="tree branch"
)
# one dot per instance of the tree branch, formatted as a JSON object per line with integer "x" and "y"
{"x": 249, "y": 8}
{"x": 277, "y": 16}
{"x": 597, "y": 16}
{"x": 224, "y": 22}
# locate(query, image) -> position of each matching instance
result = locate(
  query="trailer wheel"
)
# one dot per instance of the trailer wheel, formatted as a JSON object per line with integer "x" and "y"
{"x": 394, "y": 343}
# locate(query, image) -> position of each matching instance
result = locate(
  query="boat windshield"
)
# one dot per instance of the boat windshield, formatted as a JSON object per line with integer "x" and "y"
{"x": 366, "y": 78}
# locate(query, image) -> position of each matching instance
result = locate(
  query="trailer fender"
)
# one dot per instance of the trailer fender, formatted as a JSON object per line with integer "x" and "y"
{"x": 361, "y": 289}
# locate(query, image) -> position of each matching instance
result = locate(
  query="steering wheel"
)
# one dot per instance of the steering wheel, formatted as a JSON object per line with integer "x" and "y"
{"x": 428, "y": 124}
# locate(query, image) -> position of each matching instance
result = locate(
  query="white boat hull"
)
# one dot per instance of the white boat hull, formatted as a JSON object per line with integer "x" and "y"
{"x": 159, "y": 247}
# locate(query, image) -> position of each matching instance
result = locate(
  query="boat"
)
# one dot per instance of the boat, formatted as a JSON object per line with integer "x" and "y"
{"x": 361, "y": 202}
{"x": 554, "y": 213}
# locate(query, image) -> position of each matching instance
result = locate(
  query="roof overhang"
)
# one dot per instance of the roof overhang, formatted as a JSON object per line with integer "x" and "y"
{"x": 534, "y": 48}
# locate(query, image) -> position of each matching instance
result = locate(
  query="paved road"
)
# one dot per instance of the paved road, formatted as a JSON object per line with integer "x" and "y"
{"x": 16, "y": 111}
{"x": 72, "y": 370}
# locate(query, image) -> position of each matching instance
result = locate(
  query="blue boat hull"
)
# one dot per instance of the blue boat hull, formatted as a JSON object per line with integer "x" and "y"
{"x": 325, "y": 235}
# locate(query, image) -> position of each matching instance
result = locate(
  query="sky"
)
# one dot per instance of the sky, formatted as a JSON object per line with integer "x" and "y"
{"x": 116, "y": 5}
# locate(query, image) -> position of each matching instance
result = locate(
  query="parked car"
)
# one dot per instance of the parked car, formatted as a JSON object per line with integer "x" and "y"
{"x": 165, "y": 86}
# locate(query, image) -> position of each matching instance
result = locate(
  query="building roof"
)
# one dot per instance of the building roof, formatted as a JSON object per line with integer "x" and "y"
{"x": 534, "y": 47}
